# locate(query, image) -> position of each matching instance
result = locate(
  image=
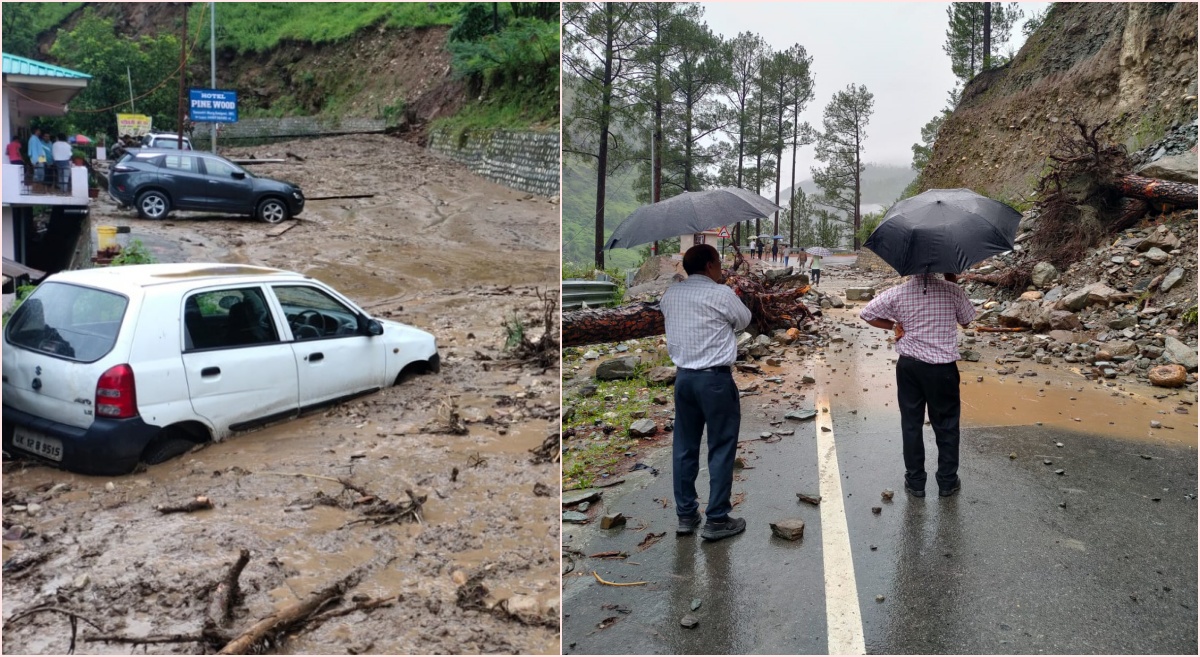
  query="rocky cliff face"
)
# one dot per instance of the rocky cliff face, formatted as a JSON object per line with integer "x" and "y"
{"x": 1130, "y": 64}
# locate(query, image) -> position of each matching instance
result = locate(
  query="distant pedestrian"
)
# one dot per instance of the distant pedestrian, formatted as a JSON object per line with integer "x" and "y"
{"x": 61, "y": 152}
{"x": 702, "y": 316}
{"x": 38, "y": 152}
{"x": 760, "y": 249}
{"x": 13, "y": 151}
{"x": 816, "y": 269}
{"x": 923, "y": 313}
{"x": 787, "y": 254}
{"x": 774, "y": 250}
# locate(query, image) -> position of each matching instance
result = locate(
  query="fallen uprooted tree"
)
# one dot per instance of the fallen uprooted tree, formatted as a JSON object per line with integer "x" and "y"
{"x": 1089, "y": 193}
{"x": 773, "y": 305}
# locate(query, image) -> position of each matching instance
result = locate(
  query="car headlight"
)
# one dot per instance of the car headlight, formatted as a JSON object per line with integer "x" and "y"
{"x": 297, "y": 195}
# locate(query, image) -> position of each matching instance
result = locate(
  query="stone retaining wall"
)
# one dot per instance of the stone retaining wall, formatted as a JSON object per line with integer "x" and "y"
{"x": 291, "y": 126}
{"x": 871, "y": 262}
{"x": 528, "y": 161}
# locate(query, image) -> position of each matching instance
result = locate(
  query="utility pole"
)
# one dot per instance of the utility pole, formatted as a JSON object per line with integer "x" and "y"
{"x": 182, "y": 75}
{"x": 129, "y": 77}
{"x": 653, "y": 188}
{"x": 212, "y": 48}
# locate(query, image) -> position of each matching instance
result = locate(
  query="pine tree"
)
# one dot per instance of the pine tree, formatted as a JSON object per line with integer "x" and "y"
{"x": 966, "y": 36}
{"x": 840, "y": 147}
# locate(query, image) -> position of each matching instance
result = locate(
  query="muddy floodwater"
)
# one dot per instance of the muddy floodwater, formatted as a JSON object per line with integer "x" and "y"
{"x": 475, "y": 571}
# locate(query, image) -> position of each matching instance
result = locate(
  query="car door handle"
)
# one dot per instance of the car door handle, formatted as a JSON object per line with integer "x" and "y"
{"x": 312, "y": 358}
{"x": 210, "y": 371}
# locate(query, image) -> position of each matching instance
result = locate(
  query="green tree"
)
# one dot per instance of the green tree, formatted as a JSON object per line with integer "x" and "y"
{"x": 700, "y": 71}
{"x": 840, "y": 147}
{"x": 923, "y": 151}
{"x": 744, "y": 52}
{"x": 793, "y": 77}
{"x": 600, "y": 39}
{"x": 828, "y": 229}
{"x": 94, "y": 47}
{"x": 966, "y": 36}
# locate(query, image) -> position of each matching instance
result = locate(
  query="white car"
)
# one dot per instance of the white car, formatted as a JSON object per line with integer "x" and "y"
{"x": 107, "y": 367}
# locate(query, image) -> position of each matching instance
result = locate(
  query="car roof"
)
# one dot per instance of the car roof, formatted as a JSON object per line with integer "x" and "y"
{"x": 128, "y": 278}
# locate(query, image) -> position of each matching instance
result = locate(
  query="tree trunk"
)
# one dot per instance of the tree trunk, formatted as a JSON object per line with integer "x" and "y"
{"x": 602, "y": 159}
{"x": 1158, "y": 191}
{"x": 987, "y": 35}
{"x": 628, "y": 322}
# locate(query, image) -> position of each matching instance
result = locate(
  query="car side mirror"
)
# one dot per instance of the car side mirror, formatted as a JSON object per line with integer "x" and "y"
{"x": 239, "y": 175}
{"x": 370, "y": 326}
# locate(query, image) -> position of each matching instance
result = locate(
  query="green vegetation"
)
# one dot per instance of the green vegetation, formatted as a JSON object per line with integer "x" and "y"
{"x": 135, "y": 253}
{"x": 1190, "y": 315}
{"x": 508, "y": 54}
{"x": 23, "y": 292}
{"x": 594, "y": 452}
{"x": 514, "y": 332}
{"x": 24, "y": 22}
{"x": 869, "y": 223}
{"x": 255, "y": 27}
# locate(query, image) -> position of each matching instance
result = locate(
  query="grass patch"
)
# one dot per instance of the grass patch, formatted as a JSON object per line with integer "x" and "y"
{"x": 255, "y": 27}
{"x": 509, "y": 109}
{"x": 601, "y": 424}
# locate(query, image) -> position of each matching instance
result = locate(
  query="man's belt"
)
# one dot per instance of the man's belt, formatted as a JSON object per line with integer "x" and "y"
{"x": 716, "y": 368}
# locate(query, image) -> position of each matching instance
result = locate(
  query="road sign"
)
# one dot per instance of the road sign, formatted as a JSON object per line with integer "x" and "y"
{"x": 212, "y": 106}
{"x": 724, "y": 232}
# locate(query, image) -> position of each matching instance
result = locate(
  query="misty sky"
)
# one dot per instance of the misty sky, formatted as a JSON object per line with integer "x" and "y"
{"x": 894, "y": 48}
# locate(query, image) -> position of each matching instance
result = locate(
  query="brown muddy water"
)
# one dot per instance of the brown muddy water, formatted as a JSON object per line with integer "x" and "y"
{"x": 437, "y": 248}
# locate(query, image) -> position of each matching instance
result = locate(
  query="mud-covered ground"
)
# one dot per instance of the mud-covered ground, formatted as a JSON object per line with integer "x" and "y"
{"x": 436, "y": 247}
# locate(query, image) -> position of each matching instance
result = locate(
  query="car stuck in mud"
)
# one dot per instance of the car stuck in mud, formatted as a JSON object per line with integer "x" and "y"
{"x": 179, "y": 355}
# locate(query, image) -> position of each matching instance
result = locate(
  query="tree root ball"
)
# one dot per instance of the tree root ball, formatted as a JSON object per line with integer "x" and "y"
{"x": 1168, "y": 376}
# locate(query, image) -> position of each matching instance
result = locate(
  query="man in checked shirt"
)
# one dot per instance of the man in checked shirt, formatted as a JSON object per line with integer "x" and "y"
{"x": 701, "y": 317}
{"x": 924, "y": 313}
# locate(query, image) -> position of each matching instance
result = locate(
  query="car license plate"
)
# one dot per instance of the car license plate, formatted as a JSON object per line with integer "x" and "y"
{"x": 38, "y": 443}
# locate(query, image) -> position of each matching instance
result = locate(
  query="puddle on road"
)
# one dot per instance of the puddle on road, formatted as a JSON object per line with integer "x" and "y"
{"x": 858, "y": 377}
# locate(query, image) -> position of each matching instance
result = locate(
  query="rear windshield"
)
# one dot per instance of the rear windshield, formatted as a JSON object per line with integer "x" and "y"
{"x": 69, "y": 321}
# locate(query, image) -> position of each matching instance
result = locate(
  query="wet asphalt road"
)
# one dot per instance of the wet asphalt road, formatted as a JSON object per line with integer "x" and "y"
{"x": 1001, "y": 568}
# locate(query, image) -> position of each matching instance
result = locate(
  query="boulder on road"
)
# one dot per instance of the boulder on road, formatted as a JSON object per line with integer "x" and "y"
{"x": 1044, "y": 274}
{"x": 1087, "y": 296}
{"x": 661, "y": 375}
{"x": 643, "y": 428}
{"x": 1179, "y": 353}
{"x": 1180, "y": 168}
{"x": 1063, "y": 320}
{"x": 1020, "y": 313}
{"x": 617, "y": 369}
{"x": 860, "y": 293}
{"x": 1168, "y": 376}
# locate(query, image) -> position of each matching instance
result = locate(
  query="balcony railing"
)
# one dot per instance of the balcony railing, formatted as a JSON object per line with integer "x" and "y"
{"x": 21, "y": 186}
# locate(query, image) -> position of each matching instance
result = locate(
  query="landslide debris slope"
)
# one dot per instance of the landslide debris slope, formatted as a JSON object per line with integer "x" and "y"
{"x": 1131, "y": 64}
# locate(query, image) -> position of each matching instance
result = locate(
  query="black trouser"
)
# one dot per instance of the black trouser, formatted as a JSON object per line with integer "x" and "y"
{"x": 920, "y": 384}
{"x": 705, "y": 399}
{"x": 816, "y": 276}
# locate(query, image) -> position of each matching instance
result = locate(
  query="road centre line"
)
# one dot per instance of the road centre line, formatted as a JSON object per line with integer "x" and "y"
{"x": 843, "y": 614}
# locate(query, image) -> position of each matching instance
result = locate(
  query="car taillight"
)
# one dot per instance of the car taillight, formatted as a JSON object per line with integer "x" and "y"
{"x": 116, "y": 394}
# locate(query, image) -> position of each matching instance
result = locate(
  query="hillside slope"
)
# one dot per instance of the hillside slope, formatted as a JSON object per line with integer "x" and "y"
{"x": 1131, "y": 64}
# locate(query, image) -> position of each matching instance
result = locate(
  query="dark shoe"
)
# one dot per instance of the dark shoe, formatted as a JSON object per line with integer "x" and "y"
{"x": 915, "y": 492}
{"x": 715, "y": 531}
{"x": 687, "y": 526}
{"x": 947, "y": 492}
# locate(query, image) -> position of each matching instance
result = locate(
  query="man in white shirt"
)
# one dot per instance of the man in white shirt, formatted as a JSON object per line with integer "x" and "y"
{"x": 701, "y": 318}
{"x": 61, "y": 152}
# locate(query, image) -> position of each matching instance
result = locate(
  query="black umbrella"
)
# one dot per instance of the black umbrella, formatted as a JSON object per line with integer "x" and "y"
{"x": 943, "y": 231}
{"x": 687, "y": 213}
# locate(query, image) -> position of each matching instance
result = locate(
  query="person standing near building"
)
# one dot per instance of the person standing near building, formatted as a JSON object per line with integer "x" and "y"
{"x": 13, "y": 151}
{"x": 38, "y": 155}
{"x": 701, "y": 317}
{"x": 925, "y": 312}
{"x": 61, "y": 151}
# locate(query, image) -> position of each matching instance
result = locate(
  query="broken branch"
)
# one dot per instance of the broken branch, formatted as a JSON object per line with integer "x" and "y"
{"x": 201, "y": 503}
{"x": 281, "y": 621}
{"x": 608, "y": 583}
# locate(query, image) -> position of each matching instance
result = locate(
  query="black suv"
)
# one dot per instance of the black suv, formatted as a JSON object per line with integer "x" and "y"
{"x": 156, "y": 181}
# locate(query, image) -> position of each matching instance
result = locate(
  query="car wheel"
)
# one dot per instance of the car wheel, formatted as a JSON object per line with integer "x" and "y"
{"x": 272, "y": 211}
{"x": 166, "y": 446}
{"x": 153, "y": 205}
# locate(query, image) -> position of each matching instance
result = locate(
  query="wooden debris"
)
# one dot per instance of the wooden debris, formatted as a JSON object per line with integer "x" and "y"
{"x": 611, "y": 554}
{"x": 282, "y": 228}
{"x": 201, "y": 503}
{"x": 225, "y": 595}
{"x": 281, "y": 621}
{"x": 608, "y": 583}
{"x": 74, "y": 616}
{"x": 549, "y": 451}
{"x": 650, "y": 540}
{"x": 331, "y": 197}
